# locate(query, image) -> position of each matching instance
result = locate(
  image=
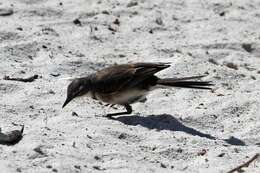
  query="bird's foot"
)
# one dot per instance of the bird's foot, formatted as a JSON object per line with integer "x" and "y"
{"x": 128, "y": 111}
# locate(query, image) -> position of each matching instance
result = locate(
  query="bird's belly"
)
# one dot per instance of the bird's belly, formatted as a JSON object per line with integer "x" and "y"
{"x": 125, "y": 97}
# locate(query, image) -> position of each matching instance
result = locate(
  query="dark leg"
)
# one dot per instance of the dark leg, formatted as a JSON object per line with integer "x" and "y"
{"x": 128, "y": 111}
{"x": 111, "y": 105}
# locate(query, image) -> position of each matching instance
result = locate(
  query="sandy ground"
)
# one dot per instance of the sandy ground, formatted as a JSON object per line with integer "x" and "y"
{"x": 176, "y": 130}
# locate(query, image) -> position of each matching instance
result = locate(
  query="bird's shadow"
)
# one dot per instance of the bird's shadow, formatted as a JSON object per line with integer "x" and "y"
{"x": 168, "y": 122}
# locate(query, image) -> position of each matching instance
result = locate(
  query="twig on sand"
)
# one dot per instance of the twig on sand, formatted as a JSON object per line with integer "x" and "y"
{"x": 246, "y": 164}
{"x": 29, "y": 79}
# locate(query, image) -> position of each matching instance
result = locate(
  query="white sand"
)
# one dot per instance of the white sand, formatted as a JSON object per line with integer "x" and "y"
{"x": 169, "y": 132}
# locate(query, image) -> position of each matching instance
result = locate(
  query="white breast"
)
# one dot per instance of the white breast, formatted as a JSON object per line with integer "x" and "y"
{"x": 126, "y": 97}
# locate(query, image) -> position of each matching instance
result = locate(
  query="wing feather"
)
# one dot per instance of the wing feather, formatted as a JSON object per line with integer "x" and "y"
{"x": 117, "y": 78}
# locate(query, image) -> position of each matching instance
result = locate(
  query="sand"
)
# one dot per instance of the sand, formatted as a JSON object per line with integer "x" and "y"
{"x": 175, "y": 130}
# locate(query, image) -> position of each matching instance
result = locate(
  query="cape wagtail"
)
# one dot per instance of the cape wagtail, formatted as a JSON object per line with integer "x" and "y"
{"x": 127, "y": 83}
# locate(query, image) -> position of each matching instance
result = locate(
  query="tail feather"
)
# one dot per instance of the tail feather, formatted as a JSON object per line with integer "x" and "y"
{"x": 186, "y": 82}
{"x": 187, "y": 78}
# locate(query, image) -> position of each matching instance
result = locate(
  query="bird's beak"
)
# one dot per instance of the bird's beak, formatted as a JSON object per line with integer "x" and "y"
{"x": 66, "y": 101}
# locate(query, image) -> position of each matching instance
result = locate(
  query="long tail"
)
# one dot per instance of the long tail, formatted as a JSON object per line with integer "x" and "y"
{"x": 186, "y": 82}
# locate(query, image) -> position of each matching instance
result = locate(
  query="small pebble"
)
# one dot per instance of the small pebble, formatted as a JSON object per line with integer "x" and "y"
{"x": 51, "y": 92}
{"x": 202, "y": 152}
{"x": 19, "y": 28}
{"x": 77, "y": 166}
{"x": 122, "y": 136}
{"x": 49, "y": 166}
{"x": 213, "y": 61}
{"x": 232, "y": 65}
{"x": 221, "y": 154}
{"x": 105, "y": 12}
{"x": 97, "y": 168}
{"x": 121, "y": 55}
{"x": 159, "y": 21}
{"x": 97, "y": 158}
{"x": 39, "y": 150}
{"x": 163, "y": 165}
{"x": 54, "y": 170}
{"x": 77, "y": 22}
{"x": 222, "y": 13}
{"x": 18, "y": 170}
{"x": 132, "y": 3}
{"x": 179, "y": 150}
{"x": 247, "y": 47}
{"x": 75, "y": 114}
{"x": 110, "y": 28}
{"x": 253, "y": 77}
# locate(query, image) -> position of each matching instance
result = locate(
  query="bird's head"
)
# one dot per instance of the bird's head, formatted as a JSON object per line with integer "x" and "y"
{"x": 77, "y": 87}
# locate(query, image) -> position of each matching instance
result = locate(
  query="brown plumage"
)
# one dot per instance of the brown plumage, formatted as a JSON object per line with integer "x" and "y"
{"x": 127, "y": 83}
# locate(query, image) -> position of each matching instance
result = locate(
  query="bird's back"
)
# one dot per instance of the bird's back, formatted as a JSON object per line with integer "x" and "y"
{"x": 127, "y": 76}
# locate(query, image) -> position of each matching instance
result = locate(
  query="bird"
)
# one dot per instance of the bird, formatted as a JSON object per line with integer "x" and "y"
{"x": 125, "y": 84}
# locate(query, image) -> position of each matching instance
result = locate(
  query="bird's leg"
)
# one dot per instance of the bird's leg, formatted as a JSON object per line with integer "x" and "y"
{"x": 110, "y": 105}
{"x": 128, "y": 111}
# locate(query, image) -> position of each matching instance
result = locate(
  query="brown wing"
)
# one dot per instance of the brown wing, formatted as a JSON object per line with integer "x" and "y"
{"x": 119, "y": 77}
